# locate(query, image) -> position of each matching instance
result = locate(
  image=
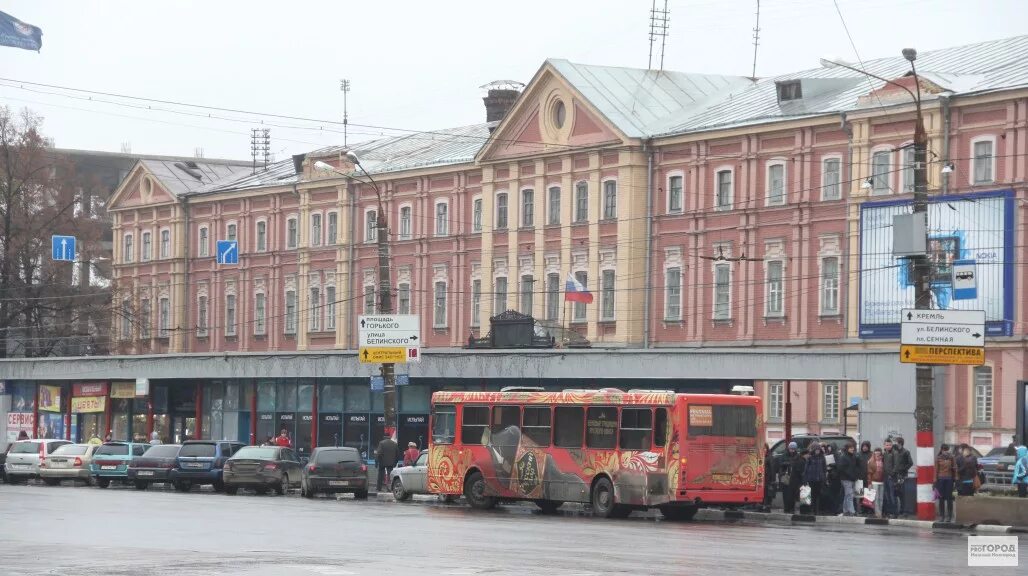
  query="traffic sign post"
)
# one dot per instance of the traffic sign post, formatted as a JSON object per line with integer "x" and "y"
{"x": 943, "y": 337}
{"x": 389, "y": 338}
{"x": 62, "y": 248}
{"x": 228, "y": 252}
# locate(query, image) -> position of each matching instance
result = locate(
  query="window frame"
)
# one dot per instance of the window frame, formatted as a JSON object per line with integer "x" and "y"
{"x": 476, "y": 213}
{"x": 556, "y": 424}
{"x": 203, "y": 241}
{"x": 907, "y": 162}
{"x": 231, "y": 303}
{"x": 370, "y": 225}
{"x": 527, "y": 428}
{"x": 502, "y": 211}
{"x": 775, "y": 408}
{"x": 877, "y": 177}
{"x": 983, "y": 395}
{"x": 648, "y": 432}
{"x": 727, "y": 206}
{"x": 500, "y": 297}
{"x": 165, "y": 247}
{"x": 579, "y": 312}
{"x": 316, "y": 228}
{"x": 260, "y": 314}
{"x": 202, "y": 316}
{"x": 164, "y": 317}
{"x": 330, "y": 308}
{"x": 126, "y": 319}
{"x": 292, "y": 232}
{"x": 526, "y": 298}
{"x": 830, "y": 400}
{"x": 528, "y": 207}
{"x": 146, "y": 246}
{"x": 232, "y": 230}
{"x": 289, "y": 312}
{"x": 553, "y": 296}
{"x": 669, "y": 272}
{"x": 727, "y": 315}
{"x": 553, "y": 192}
{"x": 774, "y": 289}
{"x": 332, "y": 227}
{"x": 145, "y": 321}
{"x": 972, "y": 175}
{"x": 825, "y": 185}
{"x": 783, "y": 199}
{"x": 476, "y": 303}
{"x": 442, "y": 226}
{"x": 581, "y": 206}
{"x": 669, "y": 207}
{"x": 260, "y": 238}
{"x": 403, "y": 302}
{"x": 610, "y": 199}
{"x": 826, "y": 289}
{"x": 608, "y": 295}
{"x": 314, "y": 309}
{"x": 481, "y": 427}
{"x": 128, "y": 250}
{"x": 372, "y": 291}
{"x": 439, "y": 299}
{"x": 408, "y": 222}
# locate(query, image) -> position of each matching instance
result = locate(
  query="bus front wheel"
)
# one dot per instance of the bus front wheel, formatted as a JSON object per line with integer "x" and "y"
{"x": 603, "y": 500}
{"x": 475, "y": 492}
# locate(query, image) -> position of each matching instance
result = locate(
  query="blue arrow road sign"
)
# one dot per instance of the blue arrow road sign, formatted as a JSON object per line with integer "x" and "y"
{"x": 62, "y": 248}
{"x": 228, "y": 252}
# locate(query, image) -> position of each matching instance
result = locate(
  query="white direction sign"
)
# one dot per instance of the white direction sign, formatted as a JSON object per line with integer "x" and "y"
{"x": 943, "y": 327}
{"x": 389, "y": 330}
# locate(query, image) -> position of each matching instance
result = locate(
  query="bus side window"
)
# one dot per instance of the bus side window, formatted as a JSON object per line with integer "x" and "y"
{"x": 660, "y": 428}
{"x": 444, "y": 417}
{"x": 504, "y": 416}
{"x": 474, "y": 421}
{"x": 536, "y": 425}
{"x": 636, "y": 428}
{"x": 568, "y": 424}
{"x": 601, "y": 425}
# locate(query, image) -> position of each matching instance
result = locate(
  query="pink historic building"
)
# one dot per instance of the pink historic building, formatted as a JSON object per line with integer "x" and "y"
{"x": 700, "y": 210}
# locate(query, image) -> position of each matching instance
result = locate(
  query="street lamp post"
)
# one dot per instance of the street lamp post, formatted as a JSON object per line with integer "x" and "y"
{"x": 923, "y": 408}
{"x": 385, "y": 301}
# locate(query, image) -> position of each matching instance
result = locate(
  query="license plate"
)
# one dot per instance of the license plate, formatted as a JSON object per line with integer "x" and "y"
{"x": 194, "y": 465}
{"x": 21, "y": 466}
{"x": 722, "y": 478}
{"x": 144, "y": 473}
{"x": 338, "y": 483}
{"x": 108, "y": 467}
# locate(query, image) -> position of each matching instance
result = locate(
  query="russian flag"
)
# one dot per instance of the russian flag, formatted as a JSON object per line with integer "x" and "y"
{"x": 575, "y": 292}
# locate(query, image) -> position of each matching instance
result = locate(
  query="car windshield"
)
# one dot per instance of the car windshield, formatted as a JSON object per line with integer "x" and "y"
{"x": 256, "y": 453}
{"x": 198, "y": 450}
{"x": 996, "y": 452}
{"x": 337, "y": 456}
{"x": 113, "y": 450}
{"x": 71, "y": 450}
{"x": 25, "y": 448}
{"x": 168, "y": 451}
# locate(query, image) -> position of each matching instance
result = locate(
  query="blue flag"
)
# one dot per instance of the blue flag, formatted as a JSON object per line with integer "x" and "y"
{"x": 17, "y": 34}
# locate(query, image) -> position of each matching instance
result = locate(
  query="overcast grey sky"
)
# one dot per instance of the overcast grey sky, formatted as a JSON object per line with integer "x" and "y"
{"x": 412, "y": 64}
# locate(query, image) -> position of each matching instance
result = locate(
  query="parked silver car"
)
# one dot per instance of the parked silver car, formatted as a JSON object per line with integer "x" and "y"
{"x": 68, "y": 462}
{"x": 407, "y": 480}
{"x": 24, "y": 457}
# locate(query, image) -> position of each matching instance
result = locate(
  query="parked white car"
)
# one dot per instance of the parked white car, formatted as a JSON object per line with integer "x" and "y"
{"x": 24, "y": 457}
{"x": 405, "y": 481}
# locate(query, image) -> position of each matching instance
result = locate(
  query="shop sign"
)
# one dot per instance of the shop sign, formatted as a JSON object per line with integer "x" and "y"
{"x": 50, "y": 398}
{"x": 142, "y": 386}
{"x": 90, "y": 389}
{"x": 86, "y": 404}
{"x": 18, "y": 422}
{"x": 123, "y": 389}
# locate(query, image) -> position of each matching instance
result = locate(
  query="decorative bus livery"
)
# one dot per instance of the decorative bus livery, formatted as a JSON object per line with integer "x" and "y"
{"x": 618, "y": 451}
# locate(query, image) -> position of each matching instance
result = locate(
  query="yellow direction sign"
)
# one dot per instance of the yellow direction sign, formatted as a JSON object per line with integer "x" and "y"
{"x": 370, "y": 355}
{"x": 963, "y": 355}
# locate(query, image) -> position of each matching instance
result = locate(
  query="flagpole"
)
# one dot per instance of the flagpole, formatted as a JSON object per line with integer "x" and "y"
{"x": 564, "y": 321}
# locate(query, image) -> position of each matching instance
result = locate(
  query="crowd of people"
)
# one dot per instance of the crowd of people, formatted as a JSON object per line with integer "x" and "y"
{"x": 870, "y": 481}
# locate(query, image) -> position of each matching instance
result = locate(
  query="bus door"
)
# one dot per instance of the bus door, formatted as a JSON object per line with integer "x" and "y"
{"x": 720, "y": 447}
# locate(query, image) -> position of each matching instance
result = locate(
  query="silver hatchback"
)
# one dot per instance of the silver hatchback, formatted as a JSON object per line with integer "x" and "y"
{"x": 68, "y": 462}
{"x": 25, "y": 456}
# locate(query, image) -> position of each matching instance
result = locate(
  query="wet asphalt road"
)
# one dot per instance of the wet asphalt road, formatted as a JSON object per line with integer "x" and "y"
{"x": 89, "y": 531}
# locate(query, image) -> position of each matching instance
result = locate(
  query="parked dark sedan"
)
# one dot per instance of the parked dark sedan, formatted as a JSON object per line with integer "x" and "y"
{"x": 262, "y": 468}
{"x": 155, "y": 465}
{"x": 335, "y": 470}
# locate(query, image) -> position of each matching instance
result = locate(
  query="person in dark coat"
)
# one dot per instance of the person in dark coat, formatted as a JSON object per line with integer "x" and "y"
{"x": 902, "y": 463}
{"x": 967, "y": 470}
{"x": 831, "y": 495}
{"x": 386, "y": 456}
{"x": 770, "y": 477}
{"x": 945, "y": 472}
{"x": 790, "y": 477}
{"x": 815, "y": 474}
{"x": 847, "y": 469}
{"x": 863, "y": 456}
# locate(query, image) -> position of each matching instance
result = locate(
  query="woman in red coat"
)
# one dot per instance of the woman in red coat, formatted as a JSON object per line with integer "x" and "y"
{"x": 410, "y": 455}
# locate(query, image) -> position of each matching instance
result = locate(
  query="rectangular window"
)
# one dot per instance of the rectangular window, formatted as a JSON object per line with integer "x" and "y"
{"x": 776, "y": 185}
{"x": 830, "y": 406}
{"x": 369, "y": 299}
{"x": 722, "y": 420}
{"x": 908, "y": 169}
{"x": 554, "y": 216}
{"x": 552, "y": 296}
{"x": 333, "y": 227}
{"x": 314, "y": 310}
{"x": 723, "y": 196}
{"x": 201, "y": 316}
{"x": 405, "y": 233}
{"x": 476, "y": 302}
{"x": 568, "y": 426}
{"x": 371, "y": 226}
{"x": 231, "y": 234}
{"x": 330, "y": 308}
{"x": 476, "y": 215}
{"x": 527, "y": 286}
{"x": 262, "y": 236}
{"x": 505, "y": 417}
{"x": 126, "y": 319}
{"x": 774, "y": 296}
{"x": 501, "y": 211}
{"x": 880, "y": 172}
{"x": 144, "y": 318}
{"x": 674, "y": 194}
{"x": 610, "y": 200}
{"x": 500, "y": 301}
{"x": 601, "y": 427}
{"x": 439, "y": 310}
{"x": 579, "y": 308}
{"x": 673, "y": 294}
{"x": 660, "y": 431}
{"x": 204, "y": 245}
{"x": 528, "y": 208}
{"x": 164, "y": 318}
{"x": 775, "y": 395}
{"x": 830, "y": 286}
{"x": 722, "y": 292}
{"x": 230, "y": 315}
{"x": 126, "y": 252}
{"x": 582, "y": 202}
{"x": 442, "y": 219}
{"x": 535, "y": 424}
{"x": 607, "y": 295}
{"x": 474, "y": 423}
{"x": 982, "y": 162}
{"x": 260, "y": 314}
{"x": 832, "y": 168}
{"x": 636, "y": 429}
{"x": 444, "y": 422}
{"x": 147, "y": 247}
{"x": 165, "y": 243}
{"x": 291, "y": 232}
{"x": 315, "y": 229}
{"x": 983, "y": 394}
{"x": 403, "y": 298}
{"x": 290, "y": 327}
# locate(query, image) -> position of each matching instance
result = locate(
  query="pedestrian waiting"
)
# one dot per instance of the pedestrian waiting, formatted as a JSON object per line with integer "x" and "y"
{"x": 815, "y": 474}
{"x": 1021, "y": 472}
{"x": 967, "y": 472}
{"x": 945, "y": 473}
{"x": 846, "y": 468}
{"x": 874, "y": 495}
{"x": 385, "y": 457}
{"x": 790, "y": 477}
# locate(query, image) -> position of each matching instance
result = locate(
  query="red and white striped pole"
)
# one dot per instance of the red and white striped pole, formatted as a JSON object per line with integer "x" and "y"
{"x": 925, "y": 475}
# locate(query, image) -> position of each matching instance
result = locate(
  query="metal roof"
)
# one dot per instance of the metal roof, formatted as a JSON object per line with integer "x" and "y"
{"x": 419, "y": 149}
{"x": 185, "y": 176}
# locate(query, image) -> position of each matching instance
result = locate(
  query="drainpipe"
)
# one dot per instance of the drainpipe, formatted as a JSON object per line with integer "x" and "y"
{"x": 186, "y": 334}
{"x": 350, "y": 264}
{"x": 647, "y": 296}
{"x": 848, "y": 129}
{"x": 944, "y": 99}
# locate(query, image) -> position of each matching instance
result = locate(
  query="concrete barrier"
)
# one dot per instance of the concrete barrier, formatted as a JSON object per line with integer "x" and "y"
{"x": 997, "y": 510}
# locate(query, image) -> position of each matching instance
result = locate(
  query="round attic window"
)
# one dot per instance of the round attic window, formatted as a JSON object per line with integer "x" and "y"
{"x": 559, "y": 114}
{"x": 147, "y": 187}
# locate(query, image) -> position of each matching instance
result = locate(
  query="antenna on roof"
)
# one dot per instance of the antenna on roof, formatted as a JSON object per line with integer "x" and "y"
{"x": 344, "y": 85}
{"x": 126, "y": 147}
{"x": 658, "y": 29}
{"x": 756, "y": 41}
{"x": 260, "y": 147}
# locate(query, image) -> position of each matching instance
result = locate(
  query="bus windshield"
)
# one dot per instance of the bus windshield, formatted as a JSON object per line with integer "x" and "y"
{"x": 722, "y": 420}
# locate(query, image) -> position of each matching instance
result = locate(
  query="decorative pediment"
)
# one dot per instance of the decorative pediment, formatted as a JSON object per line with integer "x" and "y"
{"x": 139, "y": 188}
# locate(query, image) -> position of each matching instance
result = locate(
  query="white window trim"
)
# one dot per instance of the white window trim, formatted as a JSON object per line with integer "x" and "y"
{"x": 203, "y": 249}
{"x": 128, "y": 258}
{"x": 481, "y": 221}
{"x": 901, "y": 169}
{"x": 560, "y": 188}
{"x": 667, "y": 291}
{"x": 126, "y": 319}
{"x": 731, "y": 192}
{"x": 201, "y": 331}
{"x": 773, "y": 414}
{"x": 331, "y": 306}
{"x": 374, "y": 301}
{"x": 603, "y": 316}
{"x": 603, "y": 198}
{"x": 667, "y": 191}
{"x": 970, "y": 173}
{"x": 160, "y": 244}
{"x": 821, "y": 285}
{"x": 315, "y": 310}
{"x": 232, "y": 223}
{"x": 324, "y": 224}
{"x": 767, "y": 181}
{"x": 713, "y": 299}
{"x": 368, "y": 238}
{"x": 435, "y": 218}
{"x": 232, "y": 328}
{"x": 496, "y": 210}
{"x": 574, "y": 202}
{"x": 259, "y": 330}
{"x": 767, "y": 288}
{"x": 267, "y": 237}
{"x": 143, "y": 256}
{"x": 824, "y": 400}
{"x": 974, "y": 394}
{"x": 436, "y": 321}
{"x": 285, "y": 312}
{"x": 410, "y": 303}
{"x": 521, "y": 207}
{"x": 399, "y": 222}
{"x": 285, "y": 231}
{"x": 164, "y": 330}
{"x": 890, "y": 174}
{"x": 824, "y": 183}
{"x": 310, "y": 223}
{"x": 475, "y": 321}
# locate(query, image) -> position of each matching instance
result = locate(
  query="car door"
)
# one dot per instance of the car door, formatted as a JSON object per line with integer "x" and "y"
{"x": 290, "y": 466}
{"x": 419, "y": 475}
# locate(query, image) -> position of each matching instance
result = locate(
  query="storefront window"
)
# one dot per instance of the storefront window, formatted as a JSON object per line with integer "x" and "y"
{"x": 304, "y": 394}
{"x": 330, "y": 397}
{"x": 232, "y": 396}
{"x": 24, "y": 399}
{"x": 358, "y": 398}
{"x": 266, "y": 395}
{"x": 139, "y": 427}
{"x": 286, "y": 396}
{"x": 415, "y": 398}
{"x": 160, "y": 399}
{"x": 378, "y": 401}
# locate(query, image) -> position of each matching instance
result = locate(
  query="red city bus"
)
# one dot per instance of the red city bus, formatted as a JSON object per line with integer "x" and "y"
{"x": 618, "y": 451}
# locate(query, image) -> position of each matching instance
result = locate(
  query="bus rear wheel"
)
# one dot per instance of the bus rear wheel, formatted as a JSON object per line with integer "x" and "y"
{"x": 475, "y": 492}
{"x": 604, "y": 502}
{"x": 678, "y": 513}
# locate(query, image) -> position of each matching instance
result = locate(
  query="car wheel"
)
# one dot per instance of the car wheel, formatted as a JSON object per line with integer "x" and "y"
{"x": 604, "y": 501}
{"x": 307, "y": 492}
{"x": 548, "y": 506}
{"x": 475, "y": 492}
{"x": 678, "y": 513}
{"x": 231, "y": 490}
{"x": 52, "y": 481}
{"x": 103, "y": 482}
{"x": 140, "y": 485}
{"x": 183, "y": 486}
{"x": 399, "y": 494}
{"x": 261, "y": 491}
{"x": 280, "y": 489}
{"x": 218, "y": 486}
{"x": 360, "y": 495}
